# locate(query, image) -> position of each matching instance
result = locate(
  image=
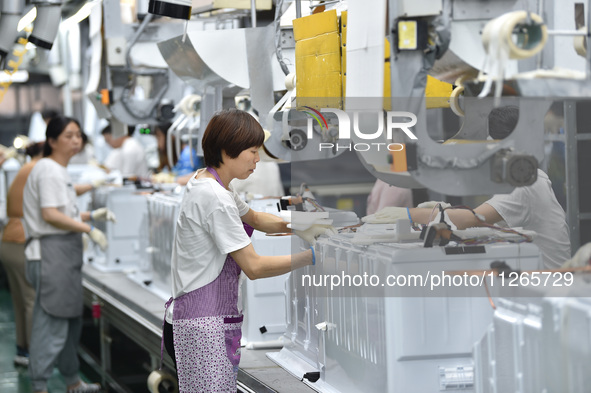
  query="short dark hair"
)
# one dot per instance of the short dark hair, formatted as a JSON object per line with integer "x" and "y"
{"x": 109, "y": 130}
{"x": 232, "y": 131}
{"x": 56, "y": 126}
{"x": 49, "y": 114}
{"x": 502, "y": 121}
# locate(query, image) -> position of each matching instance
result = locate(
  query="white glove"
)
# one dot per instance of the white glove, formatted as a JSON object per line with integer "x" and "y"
{"x": 85, "y": 240}
{"x": 432, "y": 204}
{"x": 580, "y": 259}
{"x": 9, "y": 152}
{"x": 163, "y": 177}
{"x": 311, "y": 234}
{"x": 103, "y": 214}
{"x": 98, "y": 182}
{"x": 97, "y": 236}
{"x": 386, "y": 215}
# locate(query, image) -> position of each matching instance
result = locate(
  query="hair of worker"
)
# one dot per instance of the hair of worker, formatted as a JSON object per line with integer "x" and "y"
{"x": 502, "y": 121}
{"x": 34, "y": 149}
{"x": 109, "y": 130}
{"x": 49, "y": 114}
{"x": 232, "y": 131}
{"x": 56, "y": 126}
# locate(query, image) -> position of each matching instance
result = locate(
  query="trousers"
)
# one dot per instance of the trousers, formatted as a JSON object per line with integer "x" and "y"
{"x": 54, "y": 341}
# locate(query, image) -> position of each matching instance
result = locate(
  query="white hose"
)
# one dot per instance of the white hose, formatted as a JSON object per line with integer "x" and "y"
{"x": 497, "y": 39}
{"x": 580, "y": 43}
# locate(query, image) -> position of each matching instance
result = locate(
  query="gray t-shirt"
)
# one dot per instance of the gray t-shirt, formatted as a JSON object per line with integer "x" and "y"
{"x": 48, "y": 185}
{"x": 535, "y": 208}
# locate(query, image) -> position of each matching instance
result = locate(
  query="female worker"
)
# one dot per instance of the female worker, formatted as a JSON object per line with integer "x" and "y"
{"x": 12, "y": 255}
{"x": 54, "y": 258}
{"x": 211, "y": 247}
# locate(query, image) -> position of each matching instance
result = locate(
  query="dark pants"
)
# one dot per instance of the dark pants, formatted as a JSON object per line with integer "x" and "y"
{"x": 168, "y": 342}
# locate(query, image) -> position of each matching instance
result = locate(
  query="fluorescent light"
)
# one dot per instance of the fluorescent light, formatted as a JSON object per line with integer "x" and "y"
{"x": 20, "y": 76}
{"x": 27, "y": 19}
{"x": 79, "y": 16}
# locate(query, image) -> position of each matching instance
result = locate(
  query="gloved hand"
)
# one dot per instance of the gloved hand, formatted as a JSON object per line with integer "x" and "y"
{"x": 432, "y": 204}
{"x": 103, "y": 214}
{"x": 85, "y": 240}
{"x": 580, "y": 259}
{"x": 311, "y": 234}
{"x": 98, "y": 182}
{"x": 97, "y": 236}
{"x": 8, "y": 152}
{"x": 163, "y": 177}
{"x": 386, "y": 215}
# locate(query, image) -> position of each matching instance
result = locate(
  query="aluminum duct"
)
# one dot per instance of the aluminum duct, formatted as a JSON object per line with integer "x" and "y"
{"x": 46, "y": 25}
{"x": 11, "y": 13}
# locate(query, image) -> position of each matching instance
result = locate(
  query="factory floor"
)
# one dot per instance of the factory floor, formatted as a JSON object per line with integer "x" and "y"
{"x": 16, "y": 379}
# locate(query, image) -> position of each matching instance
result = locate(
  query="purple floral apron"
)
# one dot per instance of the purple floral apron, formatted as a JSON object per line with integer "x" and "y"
{"x": 207, "y": 331}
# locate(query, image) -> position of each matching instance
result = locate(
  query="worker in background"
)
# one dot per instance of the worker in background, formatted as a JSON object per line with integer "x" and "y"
{"x": 186, "y": 164}
{"x": 127, "y": 156}
{"x": 211, "y": 247}
{"x": 532, "y": 207}
{"x": 86, "y": 154}
{"x": 383, "y": 194}
{"x": 12, "y": 256}
{"x": 49, "y": 114}
{"x": 54, "y": 258}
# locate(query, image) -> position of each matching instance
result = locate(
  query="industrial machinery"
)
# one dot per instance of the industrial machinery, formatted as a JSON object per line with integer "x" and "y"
{"x": 537, "y": 343}
{"x": 369, "y": 336}
{"x": 408, "y": 86}
{"x": 126, "y": 237}
{"x": 161, "y": 215}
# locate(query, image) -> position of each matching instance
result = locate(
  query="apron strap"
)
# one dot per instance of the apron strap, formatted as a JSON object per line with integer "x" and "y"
{"x": 215, "y": 174}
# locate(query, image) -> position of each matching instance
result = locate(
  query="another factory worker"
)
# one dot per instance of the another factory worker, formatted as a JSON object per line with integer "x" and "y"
{"x": 383, "y": 194}
{"x": 186, "y": 164}
{"x": 211, "y": 247}
{"x": 54, "y": 258}
{"x": 127, "y": 156}
{"x": 12, "y": 255}
{"x": 532, "y": 207}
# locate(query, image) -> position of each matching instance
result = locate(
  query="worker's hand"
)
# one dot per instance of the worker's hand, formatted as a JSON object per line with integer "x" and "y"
{"x": 8, "y": 152}
{"x": 103, "y": 214}
{"x": 580, "y": 259}
{"x": 163, "y": 177}
{"x": 97, "y": 236}
{"x": 386, "y": 215}
{"x": 98, "y": 182}
{"x": 432, "y": 204}
{"x": 311, "y": 234}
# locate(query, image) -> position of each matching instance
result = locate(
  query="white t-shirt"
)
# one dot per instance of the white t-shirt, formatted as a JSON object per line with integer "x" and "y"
{"x": 535, "y": 208}
{"x": 48, "y": 185}
{"x": 207, "y": 230}
{"x": 129, "y": 159}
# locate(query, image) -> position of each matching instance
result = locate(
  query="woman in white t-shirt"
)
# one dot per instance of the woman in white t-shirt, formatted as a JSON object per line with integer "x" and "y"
{"x": 54, "y": 258}
{"x": 211, "y": 247}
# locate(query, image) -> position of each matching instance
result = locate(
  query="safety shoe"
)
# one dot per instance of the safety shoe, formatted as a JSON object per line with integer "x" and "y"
{"x": 22, "y": 361}
{"x": 84, "y": 387}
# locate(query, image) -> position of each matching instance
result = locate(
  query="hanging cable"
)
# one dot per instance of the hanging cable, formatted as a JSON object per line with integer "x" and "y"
{"x": 278, "y": 50}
